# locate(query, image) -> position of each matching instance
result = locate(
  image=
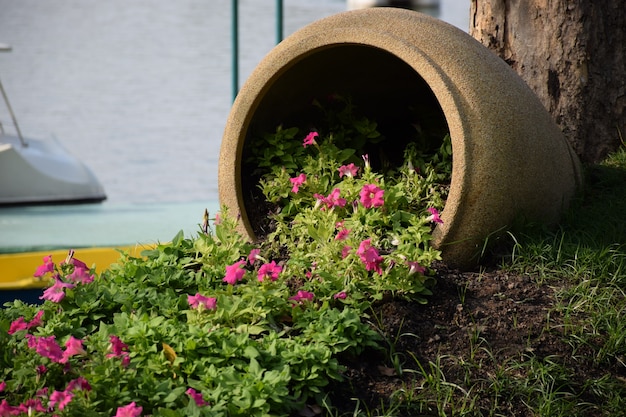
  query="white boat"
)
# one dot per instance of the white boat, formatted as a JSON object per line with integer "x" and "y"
{"x": 34, "y": 171}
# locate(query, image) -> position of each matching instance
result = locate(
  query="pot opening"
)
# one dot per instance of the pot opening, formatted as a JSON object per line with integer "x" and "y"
{"x": 381, "y": 86}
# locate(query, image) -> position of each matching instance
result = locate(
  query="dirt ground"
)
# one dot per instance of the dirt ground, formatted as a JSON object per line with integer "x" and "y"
{"x": 474, "y": 324}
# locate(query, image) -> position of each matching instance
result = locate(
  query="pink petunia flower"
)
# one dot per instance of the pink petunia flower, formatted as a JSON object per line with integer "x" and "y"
{"x": 119, "y": 349}
{"x": 340, "y": 295}
{"x": 56, "y": 292}
{"x": 79, "y": 383}
{"x": 270, "y": 270}
{"x": 434, "y": 215}
{"x": 30, "y": 405}
{"x": 415, "y": 267}
{"x": 73, "y": 347}
{"x": 130, "y": 410}
{"x": 302, "y": 296}
{"x": 254, "y": 256}
{"x": 297, "y": 182}
{"x": 199, "y": 300}
{"x": 71, "y": 260}
{"x": 333, "y": 199}
{"x": 349, "y": 170}
{"x": 345, "y": 251}
{"x": 46, "y": 346}
{"x": 310, "y": 139}
{"x": 234, "y": 272}
{"x": 22, "y": 324}
{"x": 80, "y": 275}
{"x": 3, "y": 386}
{"x": 342, "y": 234}
{"x": 196, "y": 397}
{"x": 36, "y": 321}
{"x": 61, "y": 399}
{"x": 48, "y": 266}
{"x": 8, "y": 410}
{"x": 370, "y": 257}
{"x": 372, "y": 196}
{"x": 17, "y": 325}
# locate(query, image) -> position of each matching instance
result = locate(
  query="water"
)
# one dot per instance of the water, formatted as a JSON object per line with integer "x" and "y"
{"x": 140, "y": 90}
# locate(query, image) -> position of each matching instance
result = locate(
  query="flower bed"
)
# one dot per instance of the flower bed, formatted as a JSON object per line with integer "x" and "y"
{"x": 217, "y": 326}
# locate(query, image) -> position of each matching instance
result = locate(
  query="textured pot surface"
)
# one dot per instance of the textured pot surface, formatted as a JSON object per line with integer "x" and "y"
{"x": 509, "y": 157}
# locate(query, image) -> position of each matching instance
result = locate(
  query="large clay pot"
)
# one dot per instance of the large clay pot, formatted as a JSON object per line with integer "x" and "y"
{"x": 509, "y": 157}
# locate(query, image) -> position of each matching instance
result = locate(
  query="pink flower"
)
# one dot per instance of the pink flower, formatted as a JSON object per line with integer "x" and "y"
{"x": 56, "y": 292}
{"x": 46, "y": 347}
{"x": 36, "y": 321}
{"x": 340, "y": 295}
{"x": 48, "y": 266}
{"x": 80, "y": 275}
{"x": 117, "y": 346}
{"x": 17, "y": 325}
{"x": 310, "y": 139}
{"x": 234, "y": 272}
{"x": 270, "y": 270}
{"x": 197, "y": 397}
{"x": 370, "y": 257}
{"x": 21, "y": 324}
{"x": 333, "y": 199}
{"x": 342, "y": 234}
{"x": 297, "y": 182}
{"x": 414, "y": 267}
{"x": 73, "y": 347}
{"x": 119, "y": 349}
{"x": 79, "y": 383}
{"x": 200, "y": 301}
{"x": 8, "y": 410}
{"x": 62, "y": 398}
{"x": 371, "y": 196}
{"x": 3, "y": 386}
{"x": 30, "y": 405}
{"x": 130, "y": 410}
{"x": 349, "y": 170}
{"x": 434, "y": 215}
{"x": 218, "y": 219}
{"x": 71, "y": 260}
{"x": 345, "y": 251}
{"x": 253, "y": 256}
{"x": 302, "y": 296}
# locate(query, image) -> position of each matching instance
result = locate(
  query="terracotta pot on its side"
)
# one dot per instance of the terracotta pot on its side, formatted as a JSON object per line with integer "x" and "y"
{"x": 509, "y": 157}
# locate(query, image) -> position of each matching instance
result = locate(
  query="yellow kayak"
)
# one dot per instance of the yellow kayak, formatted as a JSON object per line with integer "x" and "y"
{"x": 17, "y": 269}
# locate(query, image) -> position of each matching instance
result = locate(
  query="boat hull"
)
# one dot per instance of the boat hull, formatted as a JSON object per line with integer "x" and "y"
{"x": 44, "y": 173}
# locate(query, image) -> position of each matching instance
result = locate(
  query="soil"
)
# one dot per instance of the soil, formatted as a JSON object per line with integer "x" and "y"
{"x": 475, "y": 323}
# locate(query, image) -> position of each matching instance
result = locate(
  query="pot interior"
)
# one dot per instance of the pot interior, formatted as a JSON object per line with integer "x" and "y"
{"x": 382, "y": 87}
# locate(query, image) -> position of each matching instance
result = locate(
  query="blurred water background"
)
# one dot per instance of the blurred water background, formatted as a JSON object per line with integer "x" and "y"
{"x": 140, "y": 91}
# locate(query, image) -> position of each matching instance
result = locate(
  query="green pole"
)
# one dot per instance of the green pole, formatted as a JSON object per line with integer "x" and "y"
{"x": 235, "y": 46}
{"x": 279, "y": 21}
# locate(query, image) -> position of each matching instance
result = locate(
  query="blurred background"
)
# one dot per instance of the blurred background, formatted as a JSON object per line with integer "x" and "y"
{"x": 140, "y": 92}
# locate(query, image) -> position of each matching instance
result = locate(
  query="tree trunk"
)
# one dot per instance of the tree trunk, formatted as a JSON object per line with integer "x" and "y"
{"x": 572, "y": 53}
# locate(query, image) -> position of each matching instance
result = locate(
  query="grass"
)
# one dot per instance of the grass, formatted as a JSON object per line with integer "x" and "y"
{"x": 583, "y": 262}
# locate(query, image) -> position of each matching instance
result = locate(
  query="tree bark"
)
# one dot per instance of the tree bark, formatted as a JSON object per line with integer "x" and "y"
{"x": 572, "y": 53}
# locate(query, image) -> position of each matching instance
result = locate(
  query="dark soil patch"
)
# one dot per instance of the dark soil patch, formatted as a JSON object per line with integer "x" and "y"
{"x": 474, "y": 326}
